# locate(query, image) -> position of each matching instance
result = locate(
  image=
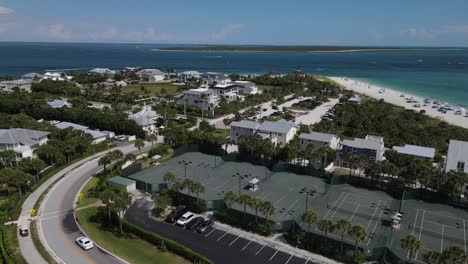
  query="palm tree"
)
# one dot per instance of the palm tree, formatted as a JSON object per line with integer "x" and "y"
{"x": 152, "y": 137}
{"x": 350, "y": 158}
{"x": 267, "y": 208}
{"x": 343, "y": 225}
{"x": 104, "y": 161}
{"x": 326, "y": 226}
{"x": 169, "y": 177}
{"x": 454, "y": 255}
{"x": 229, "y": 198}
{"x": 358, "y": 233}
{"x": 244, "y": 199}
{"x": 121, "y": 203}
{"x": 255, "y": 203}
{"x": 139, "y": 143}
{"x": 106, "y": 197}
{"x": 433, "y": 257}
{"x": 187, "y": 184}
{"x": 198, "y": 188}
{"x": 310, "y": 217}
{"x": 130, "y": 156}
{"x": 116, "y": 155}
{"x": 412, "y": 244}
{"x": 37, "y": 165}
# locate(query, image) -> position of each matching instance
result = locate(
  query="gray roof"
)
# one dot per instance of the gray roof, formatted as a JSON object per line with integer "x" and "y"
{"x": 245, "y": 124}
{"x": 21, "y": 135}
{"x": 17, "y": 82}
{"x": 355, "y": 98}
{"x": 367, "y": 143}
{"x": 95, "y": 134}
{"x": 121, "y": 181}
{"x": 149, "y": 72}
{"x": 57, "y": 103}
{"x": 281, "y": 126}
{"x": 415, "y": 151}
{"x": 143, "y": 121}
{"x": 32, "y": 75}
{"x": 317, "y": 136}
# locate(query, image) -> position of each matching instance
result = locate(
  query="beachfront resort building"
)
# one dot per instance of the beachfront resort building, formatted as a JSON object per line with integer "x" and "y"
{"x": 57, "y": 103}
{"x": 32, "y": 76}
{"x": 146, "y": 119}
{"x": 319, "y": 140}
{"x": 152, "y": 75}
{"x": 203, "y": 98}
{"x": 56, "y": 76}
{"x": 246, "y": 87}
{"x": 98, "y": 136}
{"x": 416, "y": 151}
{"x": 102, "y": 71}
{"x": 22, "y": 141}
{"x": 20, "y": 85}
{"x": 213, "y": 78}
{"x": 371, "y": 147}
{"x": 457, "y": 157}
{"x": 186, "y": 76}
{"x": 279, "y": 132}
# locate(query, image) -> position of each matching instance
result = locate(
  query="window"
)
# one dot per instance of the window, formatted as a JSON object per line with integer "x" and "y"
{"x": 461, "y": 166}
{"x": 354, "y": 149}
{"x": 372, "y": 158}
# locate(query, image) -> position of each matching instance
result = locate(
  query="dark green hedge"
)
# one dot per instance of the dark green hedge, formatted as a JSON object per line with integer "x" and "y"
{"x": 171, "y": 245}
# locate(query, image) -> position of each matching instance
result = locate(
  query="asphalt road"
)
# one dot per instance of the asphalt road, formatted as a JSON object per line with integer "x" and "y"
{"x": 57, "y": 228}
{"x": 217, "y": 245}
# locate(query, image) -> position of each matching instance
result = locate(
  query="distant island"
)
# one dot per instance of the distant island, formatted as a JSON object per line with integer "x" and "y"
{"x": 259, "y": 48}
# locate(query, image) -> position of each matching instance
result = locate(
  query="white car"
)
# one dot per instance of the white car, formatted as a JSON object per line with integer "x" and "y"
{"x": 185, "y": 219}
{"x": 84, "y": 243}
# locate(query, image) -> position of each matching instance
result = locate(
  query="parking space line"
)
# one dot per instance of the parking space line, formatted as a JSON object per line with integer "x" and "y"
{"x": 246, "y": 245}
{"x": 222, "y": 236}
{"x": 307, "y": 260}
{"x": 210, "y": 232}
{"x": 234, "y": 240}
{"x": 274, "y": 254}
{"x": 289, "y": 258}
{"x": 260, "y": 249}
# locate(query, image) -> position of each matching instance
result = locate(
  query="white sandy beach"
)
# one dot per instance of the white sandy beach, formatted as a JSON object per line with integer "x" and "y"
{"x": 393, "y": 97}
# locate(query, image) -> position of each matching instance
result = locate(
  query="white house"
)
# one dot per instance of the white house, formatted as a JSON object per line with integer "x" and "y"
{"x": 151, "y": 74}
{"x": 201, "y": 97}
{"x": 279, "y": 132}
{"x": 355, "y": 99}
{"x": 32, "y": 76}
{"x": 146, "y": 119}
{"x": 97, "y": 136}
{"x": 416, "y": 151}
{"x": 227, "y": 91}
{"x": 457, "y": 157}
{"x": 319, "y": 140}
{"x": 102, "y": 71}
{"x": 20, "y": 85}
{"x": 22, "y": 141}
{"x": 185, "y": 76}
{"x": 212, "y": 78}
{"x": 246, "y": 87}
{"x": 58, "y": 103}
{"x": 56, "y": 76}
{"x": 243, "y": 128}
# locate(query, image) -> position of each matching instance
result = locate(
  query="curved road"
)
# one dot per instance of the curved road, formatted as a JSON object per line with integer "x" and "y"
{"x": 57, "y": 228}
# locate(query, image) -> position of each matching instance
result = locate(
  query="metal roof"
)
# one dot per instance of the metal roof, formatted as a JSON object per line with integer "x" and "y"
{"x": 20, "y": 135}
{"x": 121, "y": 181}
{"x": 415, "y": 151}
{"x": 317, "y": 136}
{"x": 95, "y": 134}
{"x": 370, "y": 142}
{"x": 280, "y": 126}
{"x": 245, "y": 124}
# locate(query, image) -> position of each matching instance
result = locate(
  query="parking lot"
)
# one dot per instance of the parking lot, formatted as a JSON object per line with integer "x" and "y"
{"x": 216, "y": 243}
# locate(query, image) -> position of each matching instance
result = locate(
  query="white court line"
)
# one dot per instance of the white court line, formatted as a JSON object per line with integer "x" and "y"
{"x": 464, "y": 234}
{"x": 290, "y": 258}
{"x": 354, "y": 213}
{"x": 329, "y": 209}
{"x": 211, "y": 179}
{"x": 210, "y": 232}
{"x": 263, "y": 193}
{"x": 277, "y": 202}
{"x": 414, "y": 227}
{"x": 234, "y": 240}
{"x": 289, "y": 208}
{"x": 246, "y": 245}
{"x": 339, "y": 206}
{"x": 453, "y": 217}
{"x": 260, "y": 249}
{"x": 376, "y": 223}
{"x": 308, "y": 258}
{"x": 442, "y": 240}
{"x": 222, "y": 235}
{"x": 274, "y": 254}
{"x": 419, "y": 238}
{"x": 361, "y": 204}
{"x": 371, "y": 198}
{"x": 373, "y": 215}
{"x": 223, "y": 184}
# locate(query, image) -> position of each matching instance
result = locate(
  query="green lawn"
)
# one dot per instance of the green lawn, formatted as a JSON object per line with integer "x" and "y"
{"x": 133, "y": 250}
{"x": 155, "y": 89}
{"x": 87, "y": 197}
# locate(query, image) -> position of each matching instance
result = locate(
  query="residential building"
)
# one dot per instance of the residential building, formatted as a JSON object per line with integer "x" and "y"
{"x": 203, "y": 98}
{"x": 22, "y": 141}
{"x": 121, "y": 83}
{"x": 58, "y": 103}
{"x": 97, "y": 136}
{"x": 371, "y": 146}
{"x": 103, "y": 71}
{"x": 213, "y": 78}
{"x": 150, "y": 74}
{"x": 279, "y": 132}
{"x": 19, "y": 85}
{"x": 121, "y": 182}
{"x": 246, "y": 87}
{"x": 185, "y": 76}
{"x": 32, "y": 76}
{"x": 319, "y": 140}
{"x": 416, "y": 151}
{"x": 229, "y": 92}
{"x": 243, "y": 128}
{"x": 355, "y": 99}
{"x": 56, "y": 76}
{"x": 457, "y": 156}
{"x": 146, "y": 119}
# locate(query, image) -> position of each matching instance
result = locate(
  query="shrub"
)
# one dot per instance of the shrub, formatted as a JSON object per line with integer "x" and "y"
{"x": 160, "y": 150}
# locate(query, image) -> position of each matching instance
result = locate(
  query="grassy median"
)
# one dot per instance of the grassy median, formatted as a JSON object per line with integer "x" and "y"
{"x": 88, "y": 197}
{"x": 132, "y": 250}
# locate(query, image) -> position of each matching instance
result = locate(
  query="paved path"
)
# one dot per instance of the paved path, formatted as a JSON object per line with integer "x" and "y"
{"x": 315, "y": 115}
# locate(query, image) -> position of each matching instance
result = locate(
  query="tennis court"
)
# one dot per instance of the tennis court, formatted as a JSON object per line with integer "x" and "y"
{"x": 438, "y": 232}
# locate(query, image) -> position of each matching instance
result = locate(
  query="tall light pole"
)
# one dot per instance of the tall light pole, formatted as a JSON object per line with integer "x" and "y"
{"x": 238, "y": 175}
{"x": 307, "y": 192}
{"x": 185, "y": 163}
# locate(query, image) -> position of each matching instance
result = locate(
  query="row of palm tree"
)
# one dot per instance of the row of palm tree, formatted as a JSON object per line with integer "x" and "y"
{"x": 191, "y": 186}
{"x": 255, "y": 203}
{"x": 116, "y": 202}
{"x": 110, "y": 157}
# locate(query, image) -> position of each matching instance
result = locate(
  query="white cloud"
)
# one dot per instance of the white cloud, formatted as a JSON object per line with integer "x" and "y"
{"x": 58, "y": 31}
{"x": 439, "y": 32}
{"x": 4, "y": 28}
{"x": 6, "y": 11}
{"x": 226, "y": 31}
{"x": 418, "y": 33}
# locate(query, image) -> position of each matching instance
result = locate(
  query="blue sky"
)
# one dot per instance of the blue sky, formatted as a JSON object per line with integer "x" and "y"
{"x": 292, "y": 22}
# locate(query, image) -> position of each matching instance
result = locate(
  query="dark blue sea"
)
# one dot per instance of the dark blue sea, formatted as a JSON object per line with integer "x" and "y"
{"x": 437, "y": 73}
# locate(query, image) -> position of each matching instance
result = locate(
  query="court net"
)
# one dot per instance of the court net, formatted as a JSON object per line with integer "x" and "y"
{"x": 369, "y": 216}
{"x": 460, "y": 240}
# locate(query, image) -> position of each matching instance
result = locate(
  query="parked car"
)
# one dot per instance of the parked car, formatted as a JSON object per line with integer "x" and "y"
{"x": 275, "y": 107}
{"x": 176, "y": 214}
{"x": 23, "y": 230}
{"x": 185, "y": 219}
{"x": 204, "y": 225}
{"x": 84, "y": 243}
{"x": 195, "y": 223}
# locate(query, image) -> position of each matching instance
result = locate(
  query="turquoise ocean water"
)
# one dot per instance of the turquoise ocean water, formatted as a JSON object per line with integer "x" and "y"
{"x": 437, "y": 73}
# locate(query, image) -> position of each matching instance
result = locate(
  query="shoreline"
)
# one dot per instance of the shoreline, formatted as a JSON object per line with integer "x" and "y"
{"x": 395, "y": 97}
{"x": 302, "y": 51}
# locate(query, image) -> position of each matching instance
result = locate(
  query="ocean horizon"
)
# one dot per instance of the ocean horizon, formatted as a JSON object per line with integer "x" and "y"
{"x": 437, "y": 72}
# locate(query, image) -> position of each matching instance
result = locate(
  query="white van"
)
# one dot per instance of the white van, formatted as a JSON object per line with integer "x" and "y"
{"x": 24, "y": 230}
